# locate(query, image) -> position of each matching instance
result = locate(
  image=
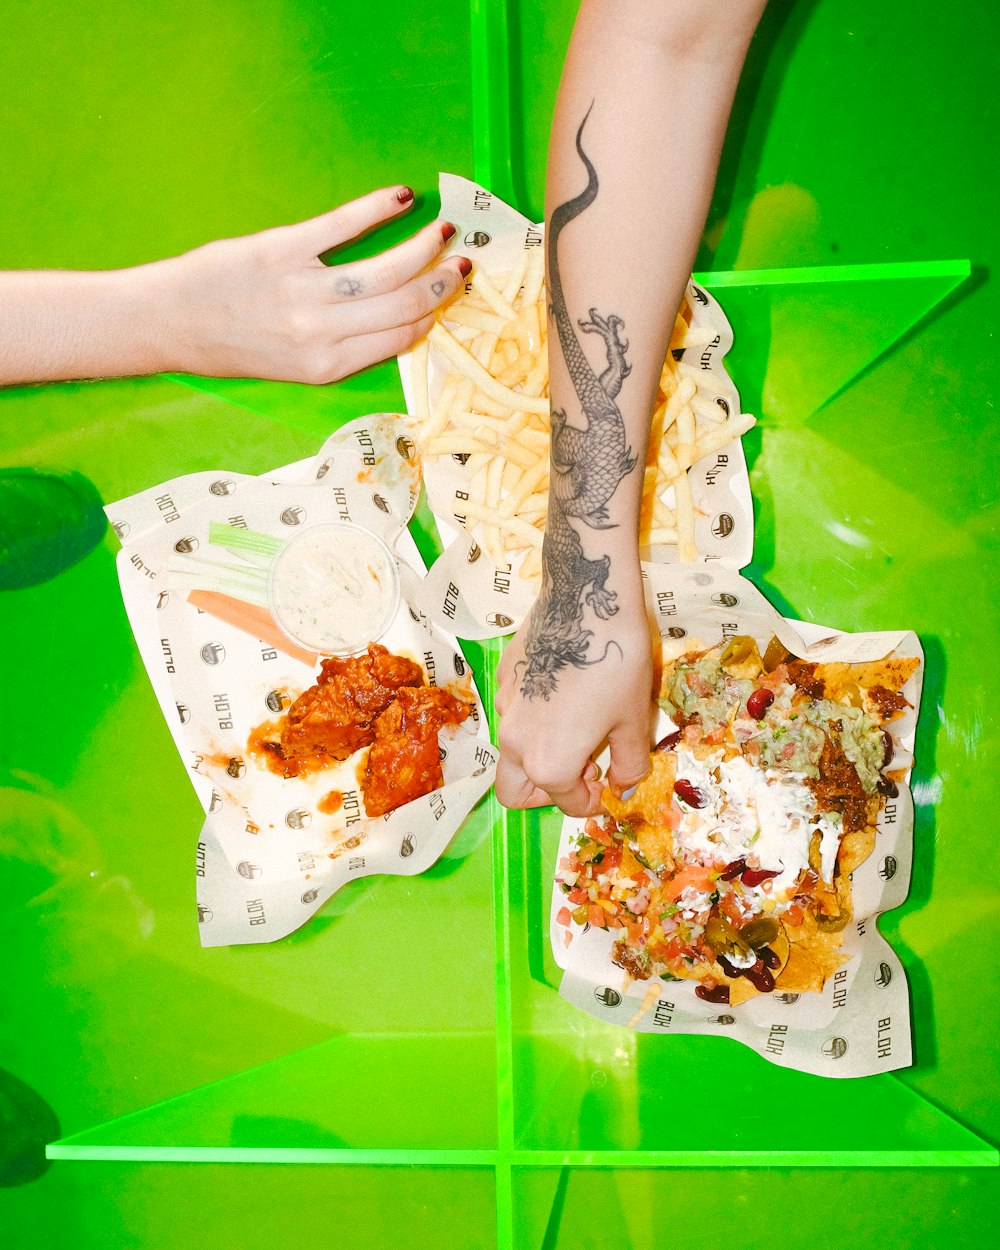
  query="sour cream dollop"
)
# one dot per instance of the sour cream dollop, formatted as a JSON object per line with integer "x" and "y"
{"x": 767, "y": 812}
{"x": 334, "y": 588}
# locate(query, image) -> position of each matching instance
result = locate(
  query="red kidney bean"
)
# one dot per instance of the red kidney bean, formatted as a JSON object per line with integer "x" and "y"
{"x": 720, "y": 994}
{"x": 754, "y": 876}
{"x": 669, "y": 742}
{"x": 759, "y": 701}
{"x": 888, "y": 747}
{"x": 886, "y": 786}
{"x": 728, "y": 967}
{"x": 760, "y": 978}
{"x": 733, "y": 870}
{"x": 767, "y": 957}
{"x": 690, "y": 793}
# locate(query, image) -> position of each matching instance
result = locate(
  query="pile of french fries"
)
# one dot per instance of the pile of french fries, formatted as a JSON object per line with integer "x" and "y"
{"x": 492, "y": 413}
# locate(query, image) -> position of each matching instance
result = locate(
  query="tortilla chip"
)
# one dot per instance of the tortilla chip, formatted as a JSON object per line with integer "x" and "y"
{"x": 855, "y": 848}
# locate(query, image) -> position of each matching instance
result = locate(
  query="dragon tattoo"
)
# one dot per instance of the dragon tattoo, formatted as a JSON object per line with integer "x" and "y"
{"x": 587, "y": 465}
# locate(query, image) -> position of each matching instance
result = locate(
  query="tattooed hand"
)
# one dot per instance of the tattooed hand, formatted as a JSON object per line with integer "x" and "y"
{"x": 546, "y": 745}
{"x": 262, "y": 306}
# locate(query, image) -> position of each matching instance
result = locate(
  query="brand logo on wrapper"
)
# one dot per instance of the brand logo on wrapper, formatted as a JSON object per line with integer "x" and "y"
{"x": 477, "y": 238}
{"x": 183, "y": 713}
{"x": 205, "y": 914}
{"x": 722, "y": 1020}
{"x": 224, "y": 486}
{"x": 725, "y": 600}
{"x": 310, "y": 896}
{"x": 277, "y": 700}
{"x": 293, "y": 515}
{"x": 121, "y": 528}
{"x": 499, "y": 620}
{"x": 723, "y": 525}
{"x": 406, "y": 846}
{"x": 381, "y": 503}
{"x": 888, "y": 867}
{"x": 787, "y": 999}
{"x": 248, "y": 870}
{"x": 236, "y": 768}
{"x": 298, "y": 818}
{"x": 213, "y": 653}
{"x": 883, "y": 975}
{"x": 606, "y": 995}
{"x": 835, "y": 1048}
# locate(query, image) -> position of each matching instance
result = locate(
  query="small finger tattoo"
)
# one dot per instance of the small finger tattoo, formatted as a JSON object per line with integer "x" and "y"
{"x": 438, "y": 286}
{"x": 348, "y": 286}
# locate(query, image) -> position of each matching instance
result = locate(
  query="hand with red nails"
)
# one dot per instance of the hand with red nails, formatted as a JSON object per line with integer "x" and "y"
{"x": 262, "y": 305}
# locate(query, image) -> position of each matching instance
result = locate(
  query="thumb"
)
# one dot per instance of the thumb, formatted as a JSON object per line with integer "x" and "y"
{"x": 629, "y": 743}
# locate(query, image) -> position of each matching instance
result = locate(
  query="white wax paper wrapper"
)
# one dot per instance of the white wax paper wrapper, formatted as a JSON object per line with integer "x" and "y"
{"x": 463, "y": 591}
{"x": 860, "y": 1023}
{"x": 269, "y": 857}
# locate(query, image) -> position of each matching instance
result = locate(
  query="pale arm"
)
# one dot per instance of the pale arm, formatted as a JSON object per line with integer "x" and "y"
{"x": 263, "y": 305}
{"x": 638, "y": 130}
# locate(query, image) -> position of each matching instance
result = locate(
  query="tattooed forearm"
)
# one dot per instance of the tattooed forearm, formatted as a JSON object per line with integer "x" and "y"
{"x": 588, "y": 464}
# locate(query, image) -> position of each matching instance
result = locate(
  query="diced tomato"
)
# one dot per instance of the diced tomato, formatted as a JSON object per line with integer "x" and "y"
{"x": 794, "y": 915}
{"x": 671, "y": 815}
{"x": 697, "y": 684}
{"x": 730, "y": 908}
{"x": 693, "y": 875}
{"x": 563, "y": 915}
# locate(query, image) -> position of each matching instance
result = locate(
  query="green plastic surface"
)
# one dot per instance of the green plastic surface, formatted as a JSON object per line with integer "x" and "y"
{"x": 409, "y": 1044}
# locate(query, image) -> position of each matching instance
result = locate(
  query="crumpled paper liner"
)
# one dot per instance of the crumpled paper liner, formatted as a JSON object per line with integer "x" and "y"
{"x": 463, "y": 591}
{"x": 860, "y": 1023}
{"x": 268, "y": 856}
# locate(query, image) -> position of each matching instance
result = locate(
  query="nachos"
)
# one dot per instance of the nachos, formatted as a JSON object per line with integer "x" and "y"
{"x": 730, "y": 863}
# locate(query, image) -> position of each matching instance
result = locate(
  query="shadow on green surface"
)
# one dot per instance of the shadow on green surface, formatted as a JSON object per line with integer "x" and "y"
{"x": 764, "y": 73}
{"x": 27, "y": 1123}
{"x": 49, "y": 520}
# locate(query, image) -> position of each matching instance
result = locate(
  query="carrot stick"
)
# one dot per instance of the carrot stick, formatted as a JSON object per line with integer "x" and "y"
{"x": 252, "y": 619}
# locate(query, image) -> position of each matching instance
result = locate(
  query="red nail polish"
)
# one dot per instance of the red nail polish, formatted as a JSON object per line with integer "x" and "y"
{"x": 404, "y": 195}
{"x": 447, "y": 231}
{"x": 465, "y": 266}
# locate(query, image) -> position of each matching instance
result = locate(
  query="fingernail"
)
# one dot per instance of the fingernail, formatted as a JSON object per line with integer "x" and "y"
{"x": 627, "y": 794}
{"x": 465, "y": 266}
{"x": 404, "y": 195}
{"x": 447, "y": 231}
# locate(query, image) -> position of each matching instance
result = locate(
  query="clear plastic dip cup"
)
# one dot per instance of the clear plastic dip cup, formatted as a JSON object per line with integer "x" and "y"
{"x": 334, "y": 588}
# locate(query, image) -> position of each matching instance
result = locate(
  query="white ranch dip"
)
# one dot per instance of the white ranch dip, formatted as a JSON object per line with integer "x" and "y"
{"x": 334, "y": 588}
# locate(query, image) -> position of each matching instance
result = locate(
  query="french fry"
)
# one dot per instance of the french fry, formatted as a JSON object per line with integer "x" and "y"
{"x": 493, "y": 412}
